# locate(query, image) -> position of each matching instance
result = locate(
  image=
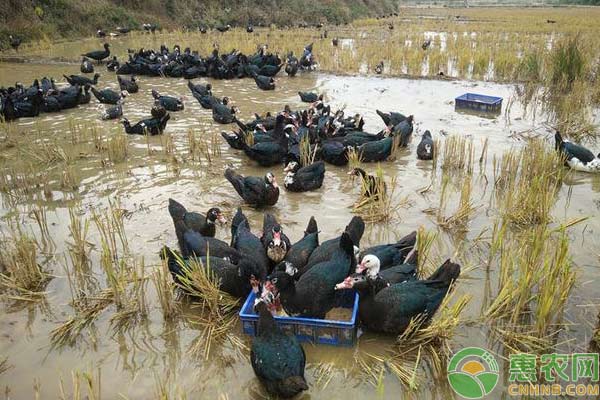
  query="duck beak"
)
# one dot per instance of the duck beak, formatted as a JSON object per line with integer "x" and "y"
{"x": 277, "y": 239}
{"x": 269, "y": 290}
{"x": 345, "y": 284}
{"x": 221, "y": 218}
{"x": 287, "y": 168}
{"x": 255, "y": 283}
{"x": 360, "y": 268}
{"x": 275, "y": 185}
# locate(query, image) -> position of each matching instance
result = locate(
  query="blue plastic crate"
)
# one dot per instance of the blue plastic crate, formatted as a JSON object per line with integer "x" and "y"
{"x": 478, "y": 102}
{"x": 318, "y": 331}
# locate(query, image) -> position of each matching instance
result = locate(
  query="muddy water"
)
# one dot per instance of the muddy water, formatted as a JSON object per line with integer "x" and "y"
{"x": 131, "y": 362}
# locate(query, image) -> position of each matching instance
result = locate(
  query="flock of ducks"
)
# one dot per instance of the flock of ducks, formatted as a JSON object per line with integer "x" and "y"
{"x": 329, "y": 136}
{"x": 303, "y": 278}
{"x": 300, "y": 277}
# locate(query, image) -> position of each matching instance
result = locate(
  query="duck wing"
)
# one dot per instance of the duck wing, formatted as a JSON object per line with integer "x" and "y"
{"x": 254, "y": 187}
{"x": 277, "y": 356}
{"x": 312, "y": 174}
{"x": 574, "y": 150}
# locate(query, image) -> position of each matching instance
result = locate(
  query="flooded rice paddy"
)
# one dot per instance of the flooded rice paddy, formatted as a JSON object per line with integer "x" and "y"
{"x": 155, "y": 355}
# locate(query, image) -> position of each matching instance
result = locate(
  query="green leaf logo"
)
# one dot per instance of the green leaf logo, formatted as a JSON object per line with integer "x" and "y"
{"x": 473, "y": 373}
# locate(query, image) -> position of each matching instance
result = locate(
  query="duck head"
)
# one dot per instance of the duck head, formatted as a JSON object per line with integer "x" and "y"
{"x": 290, "y": 132}
{"x": 106, "y": 46}
{"x": 270, "y": 179}
{"x": 350, "y": 282}
{"x": 558, "y": 141}
{"x": 357, "y": 172}
{"x": 293, "y": 166}
{"x": 248, "y": 271}
{"x": 290, "y": 269}
{"x": 214, "y": 214}
{"x": 276, "y": 248}
{"x": 427, "y": 135}
{"x": 277, "y": 282}
{"x": 371, "y": 264}
{"x": 289, "y": 179}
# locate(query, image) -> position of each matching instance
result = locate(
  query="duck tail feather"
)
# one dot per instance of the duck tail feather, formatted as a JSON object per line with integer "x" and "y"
{"x": 311, "y": 227}
{"x": 355, "y": 229}
{"x": 176, "y": 210}
{"x": 238, "y": 219}
{"x": 447, "y": 273}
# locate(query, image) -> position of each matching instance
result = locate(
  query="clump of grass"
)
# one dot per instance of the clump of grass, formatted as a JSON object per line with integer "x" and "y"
{"x": 80, "y": 247}
{"x": 527, "y": 183}
{"x": 483, "y": 156}
{"x": 567, "y": 64}
{"x": 215, "y": 145}
{"x": 117, "y": 148}
{"x": 324, "y": 373}
{"x": 437, "y": 333}
{"x": 38, "y": 213}
{"x": 530, "y": 67}
{"x": 21, "y": 274}
{"x": 88, "y": 307}
{"x": 481, "y": 63}
{"x": 463, "y": 213}
{"x": 354, "y": 158}
{"x": 132, "y": 306}
{"x": 217, "y": 309}
{"x": 307, "y": 155}
{"x": 20, "y": 184}
{"x": 193, "y": 145}
{"x": 419, "y": 342}
{"x": 458, "y": 154}
{"x": 425, "y": 240}
{"x": 77, "y": 132}
{"x": 429, "y": 342}
{"x": 536, "y": 278}
{"x": 111, "y": 227}
{"x": 371, "y": 367}
{"x": 69, "y": 179}
{"x": 168, "y": 145}
{"x": 164, "y": 286}
{"x": 47, "y": 153}
{"x": 90, "y": 381}
{"x": 380, "y": 205}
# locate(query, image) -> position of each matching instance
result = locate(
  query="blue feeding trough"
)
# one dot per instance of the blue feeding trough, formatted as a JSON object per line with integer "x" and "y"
{"x": 478, "y": 102}
{"x": 317, "y": 331}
